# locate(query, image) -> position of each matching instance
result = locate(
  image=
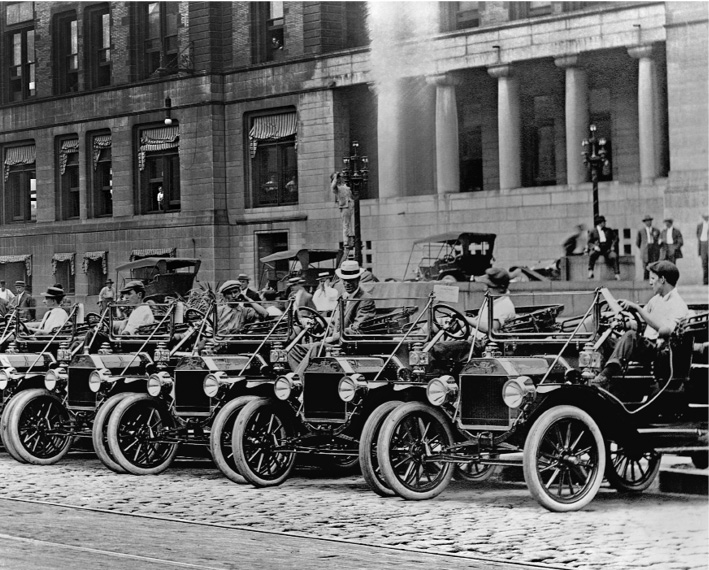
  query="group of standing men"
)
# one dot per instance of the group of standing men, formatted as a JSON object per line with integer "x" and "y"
{"x": 21, "y": 299}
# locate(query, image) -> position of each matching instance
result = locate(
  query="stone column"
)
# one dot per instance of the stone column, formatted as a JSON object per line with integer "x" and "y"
{"x": 447, "y": 147}
{"x": 576, "y": 117}
{"x": 508, "y": 126}
{"x": 389, "y": 139}
{"x": 648, "y": 120}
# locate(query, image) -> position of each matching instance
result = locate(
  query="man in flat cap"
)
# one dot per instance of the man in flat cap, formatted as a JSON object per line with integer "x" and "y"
{"x": 671, "y": 242}
{"x": 237, "y": 308}
{"x": 141, "y": 314}
{"x": 603, "y": 241}
{"x": 245, "y": 290}
{"x": 648, "y": 242}
{"x": 661, "y": 315}
{"x": 24, "y": 302}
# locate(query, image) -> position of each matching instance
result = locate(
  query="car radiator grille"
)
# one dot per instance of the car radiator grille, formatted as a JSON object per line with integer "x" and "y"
{"x": 321, "y": 401}
{"x": 78, "y": 393}
{"x": 481, "y": 402}
{"x": 189, "y": 393}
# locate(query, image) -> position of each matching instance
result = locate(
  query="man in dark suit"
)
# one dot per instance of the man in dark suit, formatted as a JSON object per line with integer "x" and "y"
{"x": 24, "y": 302}
{"x": 703, "y": 245}
{"x": 602, "y": 241}
{"x": 648, "y": 242}
{"x": 358, "y": 305}
{"x": 671, "y": 242}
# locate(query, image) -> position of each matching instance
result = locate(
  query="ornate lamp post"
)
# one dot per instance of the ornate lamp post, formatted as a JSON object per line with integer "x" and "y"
{"x": 356, "y": 176}
{"x": 595, "y": 157}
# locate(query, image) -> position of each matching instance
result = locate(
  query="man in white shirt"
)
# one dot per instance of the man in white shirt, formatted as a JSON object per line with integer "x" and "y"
{"x": 503, "y": 309}
{"x": 325, "y": 296}
{"x": 141, "y": 315}
{"x": 56, "y": 316}
{"x": 5, "y": 293}
{"x": 661, "y": 315}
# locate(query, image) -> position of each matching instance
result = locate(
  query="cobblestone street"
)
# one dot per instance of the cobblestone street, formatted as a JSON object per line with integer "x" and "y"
{"x": 498, "y": 519}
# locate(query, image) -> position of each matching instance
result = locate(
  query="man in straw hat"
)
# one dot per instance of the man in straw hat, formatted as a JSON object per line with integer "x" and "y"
{"x": 24, "y": 302}
{"x": 56, "y": 316}
{"x": 245, "y": 290}
{"x": 648, "y": 242}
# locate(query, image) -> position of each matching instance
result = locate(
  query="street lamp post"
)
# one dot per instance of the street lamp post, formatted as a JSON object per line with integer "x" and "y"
{"x": 595, "y": 157}
{"x": 356, "y": 176}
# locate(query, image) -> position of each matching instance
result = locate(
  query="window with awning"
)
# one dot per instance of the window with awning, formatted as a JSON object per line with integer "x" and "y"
{"x": 271, "y": 128}
{"x": 19, "y": 155}
{"x": 152, "y": 140}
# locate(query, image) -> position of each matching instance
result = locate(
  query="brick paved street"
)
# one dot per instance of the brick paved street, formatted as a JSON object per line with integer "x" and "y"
{"x": 497, "y": 519}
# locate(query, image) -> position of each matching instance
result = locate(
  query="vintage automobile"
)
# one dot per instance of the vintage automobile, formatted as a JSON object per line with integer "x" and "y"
{"x": 304, "y": 262}
{"x": 570, "y": 434}
{"x": 452, "y": 256}
{"x": 162, "y": 276}
{"x": 195, "y": 402}
{"x": 333, "y": 408}
{"x": 25, "y": 361}
{"x": 82, "y": 388}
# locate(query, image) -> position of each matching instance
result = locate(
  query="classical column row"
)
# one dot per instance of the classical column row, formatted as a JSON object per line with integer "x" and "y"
{"x": 510, "y": 125}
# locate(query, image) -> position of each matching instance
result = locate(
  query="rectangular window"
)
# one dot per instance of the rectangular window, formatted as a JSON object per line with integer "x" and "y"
{"x": 66, "y": 53}
{"x": 97, "y": 47}
{"x": 157, "y": 24}
{"x": 20, "y": 58}
{"x": 64, "y": 276}
{"x": 159, "y": 167}
{"x": 95, "y": 276}
{"x": 20, "y": 184}
{"x": 466, "y": 14}
{"x": 68, "y": 187}
{"x": 522, "y": 10}
{"x": 268, "y": 21}
{"x": 101, "y": 177}
{"x": 15, "y": 271}
{"x": 274, "y": 165}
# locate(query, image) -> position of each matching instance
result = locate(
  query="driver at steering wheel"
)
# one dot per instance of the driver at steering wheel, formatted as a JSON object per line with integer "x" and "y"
{"x": 237, "y": 310}
{"x": 503, "y": 309}
{"x": 661, "y": 315}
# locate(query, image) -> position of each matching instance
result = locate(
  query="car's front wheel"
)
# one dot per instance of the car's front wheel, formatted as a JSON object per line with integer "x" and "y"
{"x": 368, "y": 449}
{"x": 38, "y": 427}
{"x": 631, "y": 471}
{"x": 261, "y": 430}
{"x": 564, "y": 459}
{"x": 99, "y": 432}
{"x": 220, "y": 437}
{"x": 410, "y": 439}
{"x": 139, "y": 435}
{"x": 3, "y": 430}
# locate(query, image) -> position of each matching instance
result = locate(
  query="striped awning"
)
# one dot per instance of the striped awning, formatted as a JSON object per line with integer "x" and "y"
{"x": 68, "y": 147}
{"x": 152, "y": 140}
{"x": 19, "y": 155}
{"x": 155, "y": 252}
{"x": 95, "y": 256}
{"x": 99, "y": 143}
{"x": 26, "y": 259}
{"x": 271, "y": 127}
{"x": 61, "y": 257}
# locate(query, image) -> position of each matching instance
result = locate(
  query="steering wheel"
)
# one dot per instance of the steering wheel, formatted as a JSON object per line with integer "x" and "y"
{"x": 193, "y": 315}
{"x": 312, "y": 321}
{"x": 451, "y": 321}
{"x": 24, "y": 328}
{"x": 627, "y": 317}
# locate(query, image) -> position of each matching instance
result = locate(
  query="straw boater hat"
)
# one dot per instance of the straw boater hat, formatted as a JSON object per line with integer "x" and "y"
{"x": 349, "y": 269}
{"x": 647, "y": 218}
{"x": 20, "y": 283}
{"x": 133, "y": 286}
{"x": 296, "y": 281}
{"x": 243, "y": 277}
{"x": 229, "y": 286}
{"x": 56, "y": 293}
{"x": 323, "y": 275}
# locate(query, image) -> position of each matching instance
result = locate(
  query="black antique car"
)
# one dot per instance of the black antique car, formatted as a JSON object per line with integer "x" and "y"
{"x": 196, "y": 401}
{"x": 81, "y": 388}
{"x": 452, "y": 256}
{"x": 330, "y": 412}
{"x": 529, "y": 394}
{"x": 161, "y": 276}
{"x": 303, "y": 262}
{"x": 23, "y": 365}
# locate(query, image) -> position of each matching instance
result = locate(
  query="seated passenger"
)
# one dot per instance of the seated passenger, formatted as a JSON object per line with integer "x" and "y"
{"x": 140, "y": 315}
{"x": 356, "y": 311}
{"x": 661, "y": 315}
{"x": 238, "y": 309}
{"x": 497, "y": 281}
{"x": 56, "y": 316}
{"x": 325, "y": 296}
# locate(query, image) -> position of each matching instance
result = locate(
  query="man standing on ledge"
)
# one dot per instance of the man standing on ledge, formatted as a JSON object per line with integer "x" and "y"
{"x": 671, "y": 242}
{"x": 703, "y": 244}
{"x": 648, "y": 242}
{"x": 602, "y": 241}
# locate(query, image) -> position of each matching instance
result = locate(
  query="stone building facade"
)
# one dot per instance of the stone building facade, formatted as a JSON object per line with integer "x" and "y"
{"x": 471, "y": 113}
